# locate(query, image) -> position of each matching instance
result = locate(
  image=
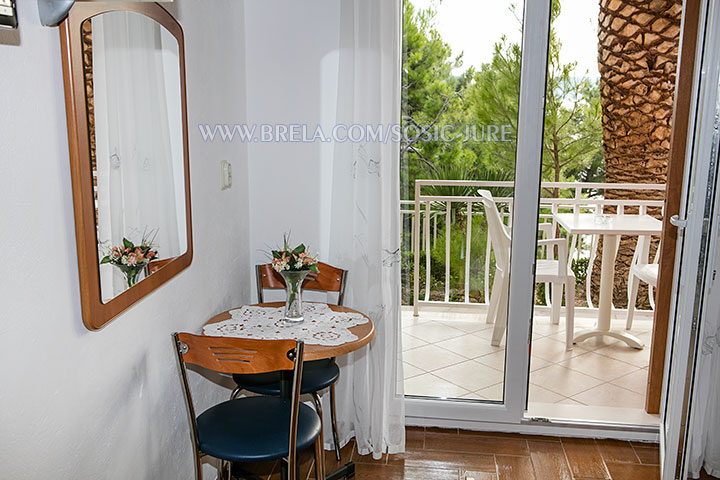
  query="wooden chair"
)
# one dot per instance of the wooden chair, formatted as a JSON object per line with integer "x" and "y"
{"x": 319, "y": 374}
{"x": 329, "y": 279}
{"x": 250, "y": 429}
{"x": 548, "y": 270}
{"x": 156, "y": 265}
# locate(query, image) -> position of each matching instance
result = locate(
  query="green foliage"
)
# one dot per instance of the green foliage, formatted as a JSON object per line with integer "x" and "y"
{"x": 580, "y": 269}
{"x": 293, "y": 259}
{"x": 423, "y": 47}
{"x": 484, "y": 101}
{"x": 457, "y": 255}
{"x": 573, "y": 132}
{"x": 431, "y": 100}
{"x": 457, "y": 263}
{"x": 493, "y": 100}
{"x": 592, "y": 172}
{"x": 540, "y": 294}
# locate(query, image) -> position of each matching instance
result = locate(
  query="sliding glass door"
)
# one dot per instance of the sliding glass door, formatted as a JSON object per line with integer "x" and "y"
{"x": 472, "y": 151}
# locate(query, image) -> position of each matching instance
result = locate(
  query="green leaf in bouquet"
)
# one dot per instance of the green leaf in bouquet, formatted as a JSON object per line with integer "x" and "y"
{"x": 106, "y": 259}
{"x": 127, "y": 243}
{"x": 299, "y": 249}
{"x": 286, "y": 241}
{"x": 314, "y": 268}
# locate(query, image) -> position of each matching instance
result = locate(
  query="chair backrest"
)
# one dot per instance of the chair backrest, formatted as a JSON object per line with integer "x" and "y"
{"x": 496, "y": 228}
{"x": 329, "y": 279}
{"x": 156, "y": 265}
{"x": 240, "y": 355}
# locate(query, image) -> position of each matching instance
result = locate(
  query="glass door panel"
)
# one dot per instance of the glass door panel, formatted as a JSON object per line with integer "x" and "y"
{"x": 600, "y": 219}
{"x": 472, "y": 136}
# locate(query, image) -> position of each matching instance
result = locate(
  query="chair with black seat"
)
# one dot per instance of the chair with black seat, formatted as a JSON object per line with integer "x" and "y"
{"x": 251, "y": 429}
{"x": 318, "y": 374}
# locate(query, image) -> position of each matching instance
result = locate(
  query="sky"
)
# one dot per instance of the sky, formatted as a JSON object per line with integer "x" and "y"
{"x": 474, "y": 26}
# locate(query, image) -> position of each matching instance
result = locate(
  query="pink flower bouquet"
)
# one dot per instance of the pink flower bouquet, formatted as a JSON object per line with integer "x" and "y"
{"x": 293, "y": 264}
{"x": 130, "y": 259}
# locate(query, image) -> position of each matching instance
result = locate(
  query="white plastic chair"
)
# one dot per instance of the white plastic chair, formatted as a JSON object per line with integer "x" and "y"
{"x": 547, "y": 270}
{"x": 641, "y": 271}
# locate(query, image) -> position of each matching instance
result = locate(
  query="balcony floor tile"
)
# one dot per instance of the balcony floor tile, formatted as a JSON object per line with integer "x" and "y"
{"x": 448, "y": 354}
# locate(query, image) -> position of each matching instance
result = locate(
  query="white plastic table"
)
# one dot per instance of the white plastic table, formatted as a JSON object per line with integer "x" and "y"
{"x": 610, "y": 227}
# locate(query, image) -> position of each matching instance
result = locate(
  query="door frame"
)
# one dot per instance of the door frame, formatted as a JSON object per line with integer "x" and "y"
{"x": 682, "y": 111}
{"x": 696, "y": 242}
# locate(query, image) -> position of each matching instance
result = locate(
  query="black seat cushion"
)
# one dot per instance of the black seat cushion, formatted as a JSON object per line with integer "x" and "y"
{"x": 317, "y": 374}
{"x": 254, "y": 429}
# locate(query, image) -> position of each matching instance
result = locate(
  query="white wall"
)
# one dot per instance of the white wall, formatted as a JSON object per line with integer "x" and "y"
{"x": 290, "y": 50}
{"x": 76, "y": 404}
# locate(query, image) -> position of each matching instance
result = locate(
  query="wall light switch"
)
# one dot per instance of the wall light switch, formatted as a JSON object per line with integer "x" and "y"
{"x": 226, "y": 175}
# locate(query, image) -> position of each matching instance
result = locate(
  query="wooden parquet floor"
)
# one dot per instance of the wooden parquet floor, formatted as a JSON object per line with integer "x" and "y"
{"x": 439, "y": 454}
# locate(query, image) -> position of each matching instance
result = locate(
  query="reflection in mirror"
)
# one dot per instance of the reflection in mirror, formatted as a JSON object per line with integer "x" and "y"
{"x": 132, "y": 80}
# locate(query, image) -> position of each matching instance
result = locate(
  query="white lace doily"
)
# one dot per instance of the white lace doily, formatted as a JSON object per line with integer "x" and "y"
{"x": 322, "y": 326}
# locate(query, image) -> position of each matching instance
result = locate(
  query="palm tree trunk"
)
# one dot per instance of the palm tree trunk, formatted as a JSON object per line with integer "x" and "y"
{"x": 637, "y": 58}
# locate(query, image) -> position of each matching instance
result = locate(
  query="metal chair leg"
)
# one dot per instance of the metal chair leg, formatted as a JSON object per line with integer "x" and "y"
{"x": 284, "y": 470}
{"x": 289, "y": 470}
{"x": 235, "y": 393}
{"x": 224, "y": 470}
{"x": 333, "y": 419}
{"x": 319, "y": 443}
{"x": 319, "y": 458}
{"x": 238, "y": 473}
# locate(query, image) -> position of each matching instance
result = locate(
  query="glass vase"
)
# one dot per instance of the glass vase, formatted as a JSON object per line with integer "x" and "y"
{"x": 133, "y": 274}
{"x": 293, "y": 295}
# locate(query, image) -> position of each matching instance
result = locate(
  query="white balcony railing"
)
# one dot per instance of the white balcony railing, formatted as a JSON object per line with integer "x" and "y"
{"x": 426, "y": 210}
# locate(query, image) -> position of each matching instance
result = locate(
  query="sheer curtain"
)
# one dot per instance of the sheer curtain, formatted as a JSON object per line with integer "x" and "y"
{"x": 136, "y": 90}
{"x": 704, "y": 433}
{"x": 361, "y": 219}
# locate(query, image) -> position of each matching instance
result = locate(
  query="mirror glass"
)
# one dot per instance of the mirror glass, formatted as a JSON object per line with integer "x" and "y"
{"x": 133, "y": 92}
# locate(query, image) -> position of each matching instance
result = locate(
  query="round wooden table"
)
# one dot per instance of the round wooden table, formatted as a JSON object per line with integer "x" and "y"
{"x": 364, "y": 332}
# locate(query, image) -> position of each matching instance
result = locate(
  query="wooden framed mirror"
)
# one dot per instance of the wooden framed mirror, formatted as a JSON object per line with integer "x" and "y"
{"x": 124, "y": 72}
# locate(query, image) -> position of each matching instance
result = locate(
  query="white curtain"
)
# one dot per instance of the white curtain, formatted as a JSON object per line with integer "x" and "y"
{"x": 361, "y": 220}
{"x": 138, "y": 131}
{"x": 704, "y": 445}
